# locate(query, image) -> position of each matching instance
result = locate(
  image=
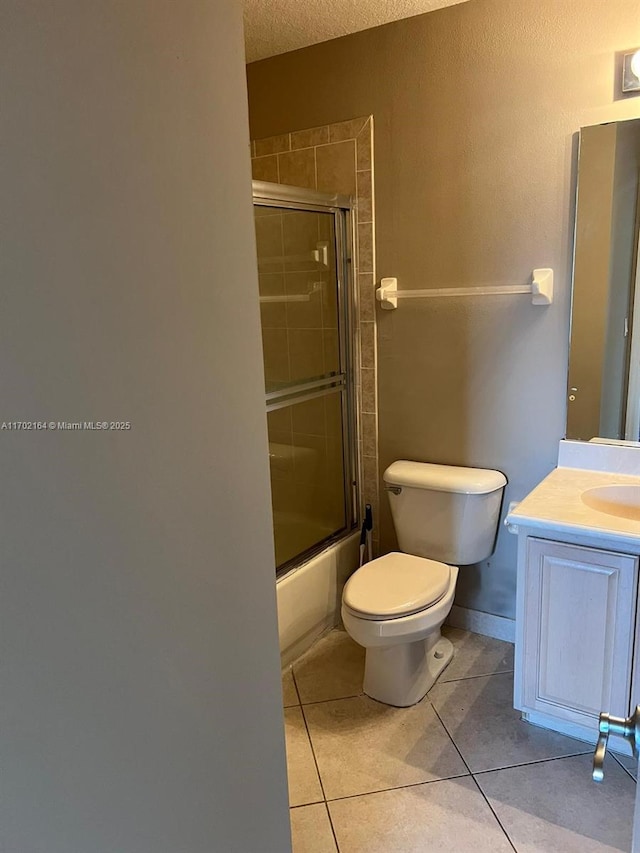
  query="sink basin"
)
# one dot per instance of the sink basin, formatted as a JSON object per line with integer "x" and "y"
{"x": 622, "y": 501}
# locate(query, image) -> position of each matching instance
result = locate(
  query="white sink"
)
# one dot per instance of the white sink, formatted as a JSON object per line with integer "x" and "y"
{"x": 622, "y": 501}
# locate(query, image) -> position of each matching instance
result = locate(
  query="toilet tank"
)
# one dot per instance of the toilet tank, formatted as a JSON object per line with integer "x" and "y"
{"x": 444, "y": 512}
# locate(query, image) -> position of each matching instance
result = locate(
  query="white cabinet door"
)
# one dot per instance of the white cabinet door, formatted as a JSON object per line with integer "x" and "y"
{"x": 577, "y": 640}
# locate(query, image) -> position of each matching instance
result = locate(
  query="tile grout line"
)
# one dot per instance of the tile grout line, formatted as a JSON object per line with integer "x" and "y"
{"x": 493, "y": 812}
{"x": 295, "y": 686}
{"x": 626, "y": 769}
{"x": 480, "y": 675}
{"x": 313, "y": 753}
{"x": 315, "y": 761}
{"x": 498, "y": 770}
{"x": 304, "y": 805}
{"x": 530, "y": 763}
{"x": 361, "y": 693}
{"x": 333, "y": 699}
{"x": 475, "y": 782}
{"x": 399, "y": 787}
{"x": 333, "y": 831}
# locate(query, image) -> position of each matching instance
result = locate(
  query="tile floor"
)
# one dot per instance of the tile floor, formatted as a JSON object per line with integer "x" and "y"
{"x": 459, "y": 771}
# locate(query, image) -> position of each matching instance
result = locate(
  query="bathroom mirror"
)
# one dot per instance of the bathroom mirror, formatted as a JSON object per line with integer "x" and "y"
{"x": 604, "y": 361}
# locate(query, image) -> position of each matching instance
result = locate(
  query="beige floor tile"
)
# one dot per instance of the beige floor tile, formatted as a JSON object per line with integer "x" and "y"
{"x": 311, "y": 830}
{"x": 478, "y": 714}
{"x": 630, "y": 764}
{"x": 363, "y": 746}
{"x": 304, "y": 785}
{"x": 289, "y": 692}
{"x": 554, "y": 806}
{"x": 445, "y": 816}
{"x": 332, "y": 669}
{"x": 476, "y": 655}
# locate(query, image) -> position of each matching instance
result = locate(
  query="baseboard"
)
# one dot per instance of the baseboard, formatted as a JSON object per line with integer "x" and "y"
{"x": 575, "y": 730}
{"x": 498, "y": 627}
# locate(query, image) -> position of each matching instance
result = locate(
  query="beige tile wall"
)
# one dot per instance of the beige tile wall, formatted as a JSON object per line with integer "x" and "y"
{"x": 335, "y": 158}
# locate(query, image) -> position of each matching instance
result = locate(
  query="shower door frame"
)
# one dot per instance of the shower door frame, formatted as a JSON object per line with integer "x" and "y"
{"x": 341, "y": 207}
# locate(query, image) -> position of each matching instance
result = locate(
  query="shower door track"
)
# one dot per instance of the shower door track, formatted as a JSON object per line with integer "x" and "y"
{"x": 298, "y": 198}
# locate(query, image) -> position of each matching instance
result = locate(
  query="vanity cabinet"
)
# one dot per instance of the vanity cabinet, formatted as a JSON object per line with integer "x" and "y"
{"x": 575, "y": 625}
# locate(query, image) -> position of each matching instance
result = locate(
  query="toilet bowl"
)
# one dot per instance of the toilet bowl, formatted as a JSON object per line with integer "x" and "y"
{"x": 400, "y": 624}
{"x": 395, "y": 605}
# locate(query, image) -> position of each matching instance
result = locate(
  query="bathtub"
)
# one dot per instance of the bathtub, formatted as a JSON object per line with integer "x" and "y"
{"x": 309, "y": 596}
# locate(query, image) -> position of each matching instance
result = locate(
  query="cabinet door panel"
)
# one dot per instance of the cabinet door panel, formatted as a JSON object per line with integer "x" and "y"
{"x": 578, "y": 630}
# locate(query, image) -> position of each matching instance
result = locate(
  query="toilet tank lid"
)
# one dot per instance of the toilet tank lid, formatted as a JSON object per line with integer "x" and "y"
{"x": 444, "y": 478}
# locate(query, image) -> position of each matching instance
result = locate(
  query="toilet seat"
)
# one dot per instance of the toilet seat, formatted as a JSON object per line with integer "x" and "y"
{"x": 396, "y": 585}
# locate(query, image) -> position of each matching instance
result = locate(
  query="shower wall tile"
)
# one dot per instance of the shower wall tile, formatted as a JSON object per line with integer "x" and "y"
{"x": 280, "y": 462}
{"x": 365, "y": 196}
{"x": 273, "y": 144}
{"x": 300, "y": 231}
{"x": 337, "y": 167}
{"x": 325, "y": 232}
{"x": 329, "y": 310}
{"x": 265, "y": 168}
{"x": 283, "y": 494}
{"x": 309, "y": 417}
{"x": 271, "y": 283}
{"x": 280, "y": 421}
{"x": 331, "y": 350}
{"x": 275, "y": 348}
{"x": 298, "y": 168}
{"x": 370, "y": 476}
{"x": 303, "y": 315}
{"x": 333, "y": 415}
{"x": 306, "y": 353}
{"x": 365, "y": 247}
{"x": 368, "y": 391}
{"x": 367, "y": 344}
{"x": 369, "y": 434}
{"x": 311, "y": 458}
{"x": 364, "y": 147}
{"x": 310, "y": 137}
{"x": 346, "y": 129}
{"x": 269, "y": 243}
{"x": 273, "y": 314}
{"x": 342, "y": 157}
{"x": 366, "y": 297}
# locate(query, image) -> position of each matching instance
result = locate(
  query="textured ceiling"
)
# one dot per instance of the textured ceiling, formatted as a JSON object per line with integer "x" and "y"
{"x": 277, "y": 26}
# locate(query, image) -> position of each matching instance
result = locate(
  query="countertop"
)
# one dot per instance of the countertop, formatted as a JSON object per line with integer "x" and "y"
{"x": 556, "y": 504}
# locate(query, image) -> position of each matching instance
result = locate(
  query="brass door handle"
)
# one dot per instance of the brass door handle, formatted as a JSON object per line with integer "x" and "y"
{"x": 626, "y": 727}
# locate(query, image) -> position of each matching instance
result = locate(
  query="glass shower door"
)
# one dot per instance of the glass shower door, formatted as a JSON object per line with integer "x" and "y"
{"x": 303, "y": 305}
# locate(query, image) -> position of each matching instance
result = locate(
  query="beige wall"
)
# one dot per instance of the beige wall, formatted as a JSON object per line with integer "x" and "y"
{"x": 141, "y": 698}
{"x": 476, "y": 109}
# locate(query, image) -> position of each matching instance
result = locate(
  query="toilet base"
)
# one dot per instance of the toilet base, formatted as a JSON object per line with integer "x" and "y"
{"x": 402, "y": 674}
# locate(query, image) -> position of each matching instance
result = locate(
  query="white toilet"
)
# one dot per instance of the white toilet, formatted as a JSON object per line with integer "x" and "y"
{"x": 395, "y": 605}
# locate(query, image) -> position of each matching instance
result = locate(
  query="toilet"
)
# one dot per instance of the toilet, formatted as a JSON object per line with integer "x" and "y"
{"x": 394, "y": 606}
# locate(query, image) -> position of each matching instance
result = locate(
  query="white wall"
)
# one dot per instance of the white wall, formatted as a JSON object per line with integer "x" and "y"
{"x": 140, "y": 684}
